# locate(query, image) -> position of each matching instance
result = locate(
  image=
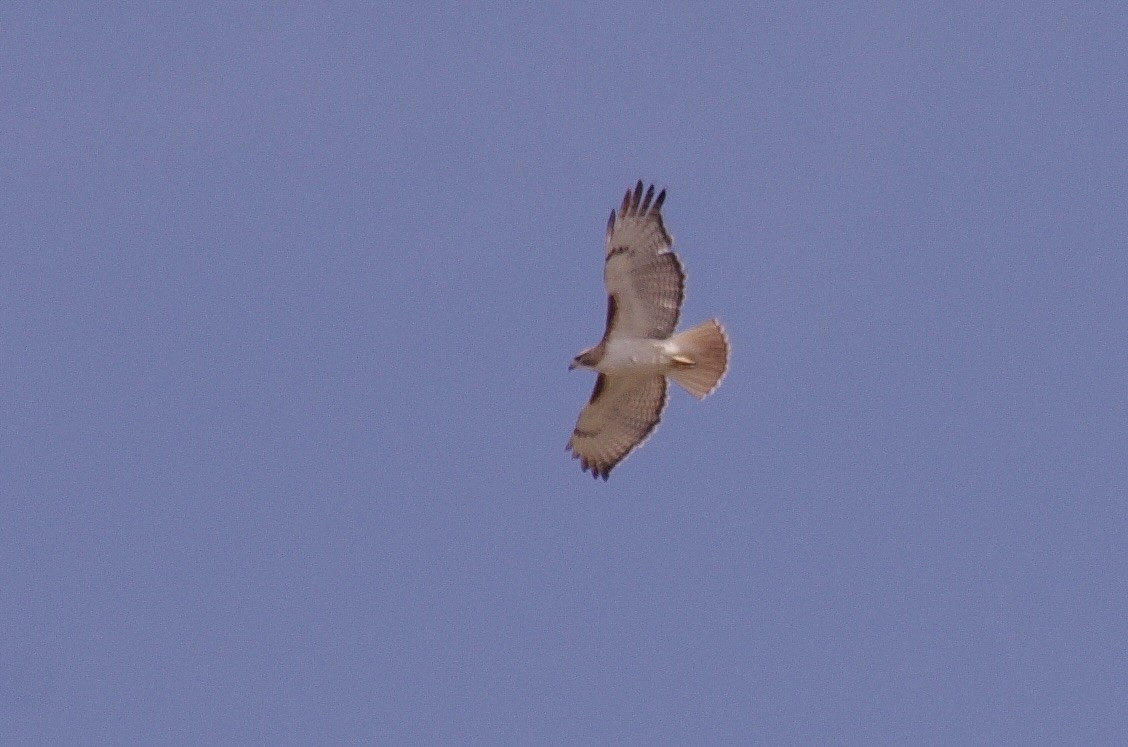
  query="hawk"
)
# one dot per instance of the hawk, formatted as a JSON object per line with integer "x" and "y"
{"x": 645, "y": 287}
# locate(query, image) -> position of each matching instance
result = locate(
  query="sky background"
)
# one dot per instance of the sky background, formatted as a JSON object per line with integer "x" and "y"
{"x": 287, "y": 302}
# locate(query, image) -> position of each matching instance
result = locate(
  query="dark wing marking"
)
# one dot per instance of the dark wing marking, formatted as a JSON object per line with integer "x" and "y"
{"x": 612, "y": 305}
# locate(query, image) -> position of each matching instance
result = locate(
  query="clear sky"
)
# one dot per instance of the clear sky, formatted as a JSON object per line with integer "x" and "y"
{"x": 287, "y": 302}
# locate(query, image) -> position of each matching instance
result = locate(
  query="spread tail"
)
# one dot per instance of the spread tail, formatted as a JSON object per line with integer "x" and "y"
{"x": 707, "y": 350}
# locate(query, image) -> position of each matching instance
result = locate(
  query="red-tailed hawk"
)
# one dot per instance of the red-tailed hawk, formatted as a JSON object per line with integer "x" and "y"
{"x": 645, "y": 286}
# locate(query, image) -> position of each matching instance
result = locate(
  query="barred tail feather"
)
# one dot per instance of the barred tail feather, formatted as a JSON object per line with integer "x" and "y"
{"x": 707, "y": 346}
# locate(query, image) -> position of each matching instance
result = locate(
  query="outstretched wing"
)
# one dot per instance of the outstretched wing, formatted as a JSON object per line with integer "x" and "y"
{"x": 645, "y": 280}
{"x": 622, "y": 412}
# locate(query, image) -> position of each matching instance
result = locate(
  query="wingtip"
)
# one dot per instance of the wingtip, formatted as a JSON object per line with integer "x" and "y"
{"x": 596, "y": 471}
{"x": 645, "y": 206}
{"x": 640, "y": 200}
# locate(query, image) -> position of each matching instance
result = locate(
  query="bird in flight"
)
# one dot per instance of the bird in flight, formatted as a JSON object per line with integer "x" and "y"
{"x": 645, "y": 288}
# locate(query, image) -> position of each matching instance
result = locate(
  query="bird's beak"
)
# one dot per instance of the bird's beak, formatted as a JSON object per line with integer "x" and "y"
{"x": 572, "y": 366}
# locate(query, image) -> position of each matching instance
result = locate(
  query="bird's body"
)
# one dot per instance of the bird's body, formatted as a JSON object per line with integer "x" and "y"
{"x": 645, "y": 284}
{"x": 636, "y": 356}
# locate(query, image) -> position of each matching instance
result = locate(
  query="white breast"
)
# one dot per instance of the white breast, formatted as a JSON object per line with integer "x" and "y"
{"x": 635, "y": 356}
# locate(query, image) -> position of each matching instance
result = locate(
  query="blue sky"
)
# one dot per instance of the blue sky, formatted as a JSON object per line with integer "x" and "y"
{"x": 288, "y": 302}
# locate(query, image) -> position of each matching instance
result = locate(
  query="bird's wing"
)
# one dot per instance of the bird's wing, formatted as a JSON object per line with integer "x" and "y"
{"x": 622, "y": 413}
{"x": 645, "y": 280}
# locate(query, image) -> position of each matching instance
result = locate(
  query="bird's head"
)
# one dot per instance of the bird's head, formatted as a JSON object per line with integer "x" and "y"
{"x": 586, "y": 359}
